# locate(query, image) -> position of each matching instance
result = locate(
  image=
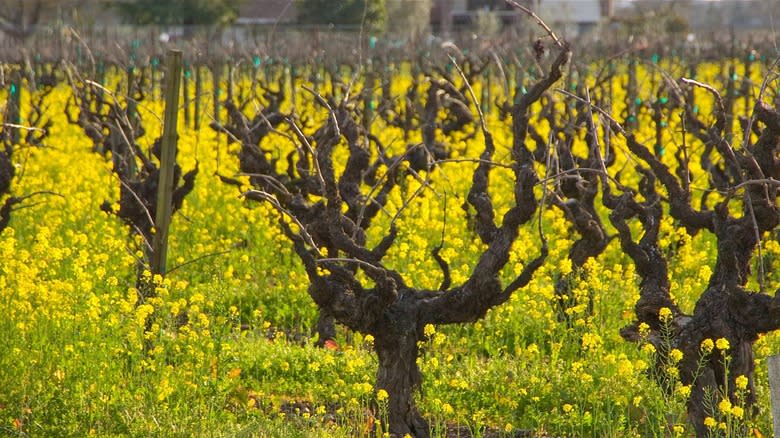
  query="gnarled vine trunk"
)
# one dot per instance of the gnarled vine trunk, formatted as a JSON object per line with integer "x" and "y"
{"x": 332, "y": 214}
{"x": 398, "y": 373}
{"x": 725, "y": 310}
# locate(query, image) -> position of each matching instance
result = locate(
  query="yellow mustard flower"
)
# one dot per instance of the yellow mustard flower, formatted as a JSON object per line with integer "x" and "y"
{"x": 707, "y": 345}
{"x": 665, "y": 314}
{"x": 725, "y": 406}
{"x": 741, "y": 382}
{"x": 684, "y": 390}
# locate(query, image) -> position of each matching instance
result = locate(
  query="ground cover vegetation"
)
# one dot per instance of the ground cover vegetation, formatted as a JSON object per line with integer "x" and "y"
{"x": 520, "y": 243}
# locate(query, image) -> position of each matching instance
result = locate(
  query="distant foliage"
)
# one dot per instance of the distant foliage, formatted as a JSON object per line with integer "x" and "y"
{"x": 677, "y": 24}
{"x": 178, "y": 12}
{"x": 408, "y": 18}
{"x": 487, "y": 23}
{"x": 344, "y": 13}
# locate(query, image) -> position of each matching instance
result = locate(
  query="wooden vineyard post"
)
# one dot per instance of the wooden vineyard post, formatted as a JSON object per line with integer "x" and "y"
{"x": 368, "y": 96}
{"x": 231, "y": 73}
{"x": 691, "y": 96}
{"x": 731, "y": 98}
{"x": 485, "y": 95}
{"x": 519, "y": 83}
{"x": 633, "y": 97}
{"x": 131, "y": 102}
{"x": 216, "y": 74}
{"x": 198, "y": 88}
{"x": 153, "y": 76}
{"x": 167, "y": 160}
{"x": 747, "y": 83}
{"x": 293, "y": 73}
{"x": 773, "y": 362}
{"x": 13, "y": 109}
{"x": 256, "y": 61}
{"x": 185, "y": 91}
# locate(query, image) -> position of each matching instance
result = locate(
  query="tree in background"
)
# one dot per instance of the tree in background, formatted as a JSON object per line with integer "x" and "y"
{"x": 371, "y": 13}
{"x": 178, "y": 12}
{"x": 20, "y": 18}
{"x": 654, "y": 17}
{"x": 408, "y": 18}
{"x": 487, "y": 23}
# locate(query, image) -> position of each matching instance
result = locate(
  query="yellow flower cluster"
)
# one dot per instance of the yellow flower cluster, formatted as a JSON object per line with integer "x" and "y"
{"x": 222, "y": 335}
